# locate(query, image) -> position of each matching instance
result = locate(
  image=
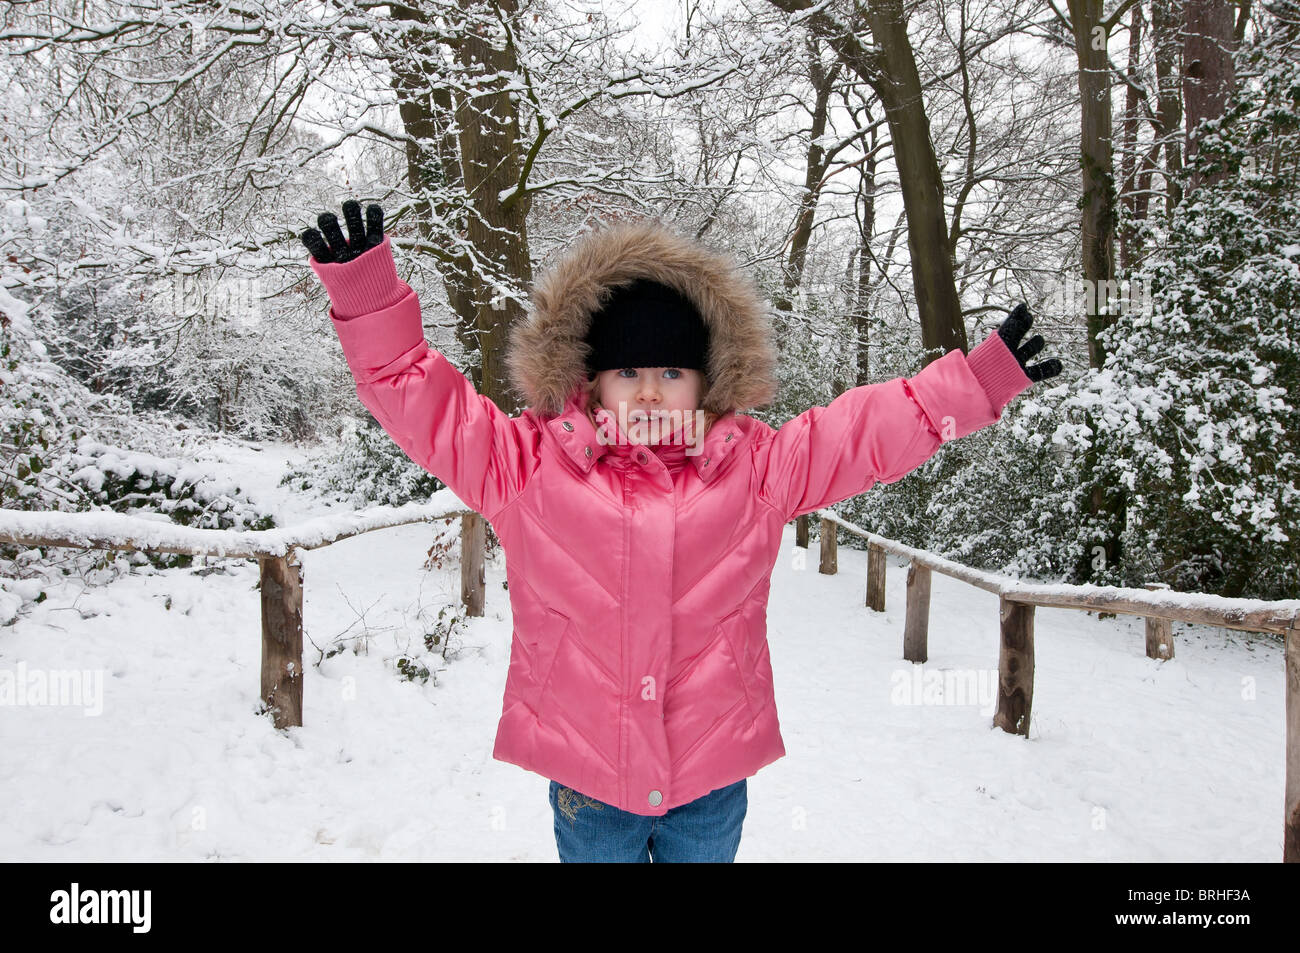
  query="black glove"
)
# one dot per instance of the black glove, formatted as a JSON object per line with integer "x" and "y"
{"x": 1012, "y": 330}
{"x": 360, "y": 239}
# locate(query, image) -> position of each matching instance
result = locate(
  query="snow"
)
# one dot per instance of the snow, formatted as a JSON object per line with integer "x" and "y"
{"x": 178, "y": 767}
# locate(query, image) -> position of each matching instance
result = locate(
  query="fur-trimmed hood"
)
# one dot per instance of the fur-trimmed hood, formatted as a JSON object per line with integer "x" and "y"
{"x": 546, "y": 354}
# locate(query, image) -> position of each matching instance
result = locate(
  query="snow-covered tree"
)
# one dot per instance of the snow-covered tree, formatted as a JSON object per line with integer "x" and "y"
{"x": 1198, "y": 396}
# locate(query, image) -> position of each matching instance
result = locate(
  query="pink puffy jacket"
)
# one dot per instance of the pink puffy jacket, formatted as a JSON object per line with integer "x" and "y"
{"x": 639, "y": 576}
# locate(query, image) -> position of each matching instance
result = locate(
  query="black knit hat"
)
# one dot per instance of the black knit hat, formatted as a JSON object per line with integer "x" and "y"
{"x": 647, "y": 324}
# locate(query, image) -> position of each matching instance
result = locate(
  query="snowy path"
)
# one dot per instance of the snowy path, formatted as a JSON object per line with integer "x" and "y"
{"x": 1127, "y": 760}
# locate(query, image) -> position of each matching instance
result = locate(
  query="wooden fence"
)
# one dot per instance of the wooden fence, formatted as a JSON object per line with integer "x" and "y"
{"x": 282, "y": 595}
{"x": 1016, "y": 602}
{"x": 279, "y": 570}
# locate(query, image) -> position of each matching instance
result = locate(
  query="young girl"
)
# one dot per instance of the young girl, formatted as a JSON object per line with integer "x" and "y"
{"x": 639, "y": 557}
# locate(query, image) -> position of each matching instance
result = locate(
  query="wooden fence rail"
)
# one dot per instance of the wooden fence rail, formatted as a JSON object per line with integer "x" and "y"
{"x": 279, "y": 571}
{"x": 1016, "y": 602}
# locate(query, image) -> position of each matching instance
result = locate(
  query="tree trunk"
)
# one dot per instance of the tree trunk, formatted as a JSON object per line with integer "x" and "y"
{"x": 433, "y": 170}
{"x": 899, "y": 88}
{"x": 1128, "y": 159}
{"x": 888, "y": 66}
{"x": 814, "y": 172}
{"x": 481, "y": 160}
{"x": 1165, "y": 21}
{"x": 865, "y": 282}
{"x": 1209, "y": 75}
{"x": 1097, "y": 223}
{"x": 492, "y": 163}
{"x": 1096, "y": 159}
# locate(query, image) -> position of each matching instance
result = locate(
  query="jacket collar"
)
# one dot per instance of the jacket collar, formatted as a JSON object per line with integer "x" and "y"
{"x": 582, "y": 443}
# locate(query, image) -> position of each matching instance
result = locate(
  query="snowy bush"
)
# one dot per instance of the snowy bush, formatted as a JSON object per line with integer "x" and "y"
{"x": 366, "y": 469}
{"x": 1003, "y": 499}
{"x": 49, "y": 462}
{"x": 126, "y": 481}
{"x": 41, "y": 411}
{"x": 1195, "y": 406}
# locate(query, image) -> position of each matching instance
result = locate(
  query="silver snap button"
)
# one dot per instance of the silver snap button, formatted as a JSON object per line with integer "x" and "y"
{"x": 655, "y": 798}
{"x": 567, "y": 426}
{"x": 588, "y": 451}
{"x": 640, "y": 458}
{"x": 730, "y": 435}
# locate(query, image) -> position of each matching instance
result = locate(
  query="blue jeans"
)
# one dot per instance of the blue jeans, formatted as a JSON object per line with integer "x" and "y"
{"x": 706, "y": 830}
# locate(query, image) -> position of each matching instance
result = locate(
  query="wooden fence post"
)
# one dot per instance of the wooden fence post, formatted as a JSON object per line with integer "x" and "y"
{"x": 1291, "y": 829}
{"x": 1160, "y": 632}
{"x": 916, "y": 627}
{"x": 876, "y": 577}
{"x": 473, "y": 578}
{"x": 801, "y": 531}
{"x": 1015, "y": 667}
{"x": 830, "y": 561}
{"x": 281, "y": 588}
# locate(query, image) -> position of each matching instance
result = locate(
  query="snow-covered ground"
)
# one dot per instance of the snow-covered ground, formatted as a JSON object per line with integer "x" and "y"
{"x": 1127, "y": 759}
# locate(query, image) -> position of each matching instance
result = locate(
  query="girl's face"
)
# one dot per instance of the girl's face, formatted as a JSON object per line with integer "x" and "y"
{"x": 633, "y": 393}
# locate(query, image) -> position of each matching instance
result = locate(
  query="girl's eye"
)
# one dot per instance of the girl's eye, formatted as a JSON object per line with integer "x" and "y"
{"x": 674, "y": 371}
{"x": 629, "y": 370}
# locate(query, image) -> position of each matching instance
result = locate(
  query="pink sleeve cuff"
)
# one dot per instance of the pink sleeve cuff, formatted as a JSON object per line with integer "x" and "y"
{"x": 997, "y": 371}
{"x": 364, "y": 284}
{"x": 373, "y": 341}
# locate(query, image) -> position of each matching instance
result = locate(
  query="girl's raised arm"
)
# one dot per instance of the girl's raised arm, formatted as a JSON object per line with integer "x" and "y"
{"x": 881, "y": 432}
{"x": 425, "y": 404}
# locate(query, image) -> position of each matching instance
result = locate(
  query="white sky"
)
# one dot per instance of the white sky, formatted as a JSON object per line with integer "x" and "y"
{"x": 657, "y": 21}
